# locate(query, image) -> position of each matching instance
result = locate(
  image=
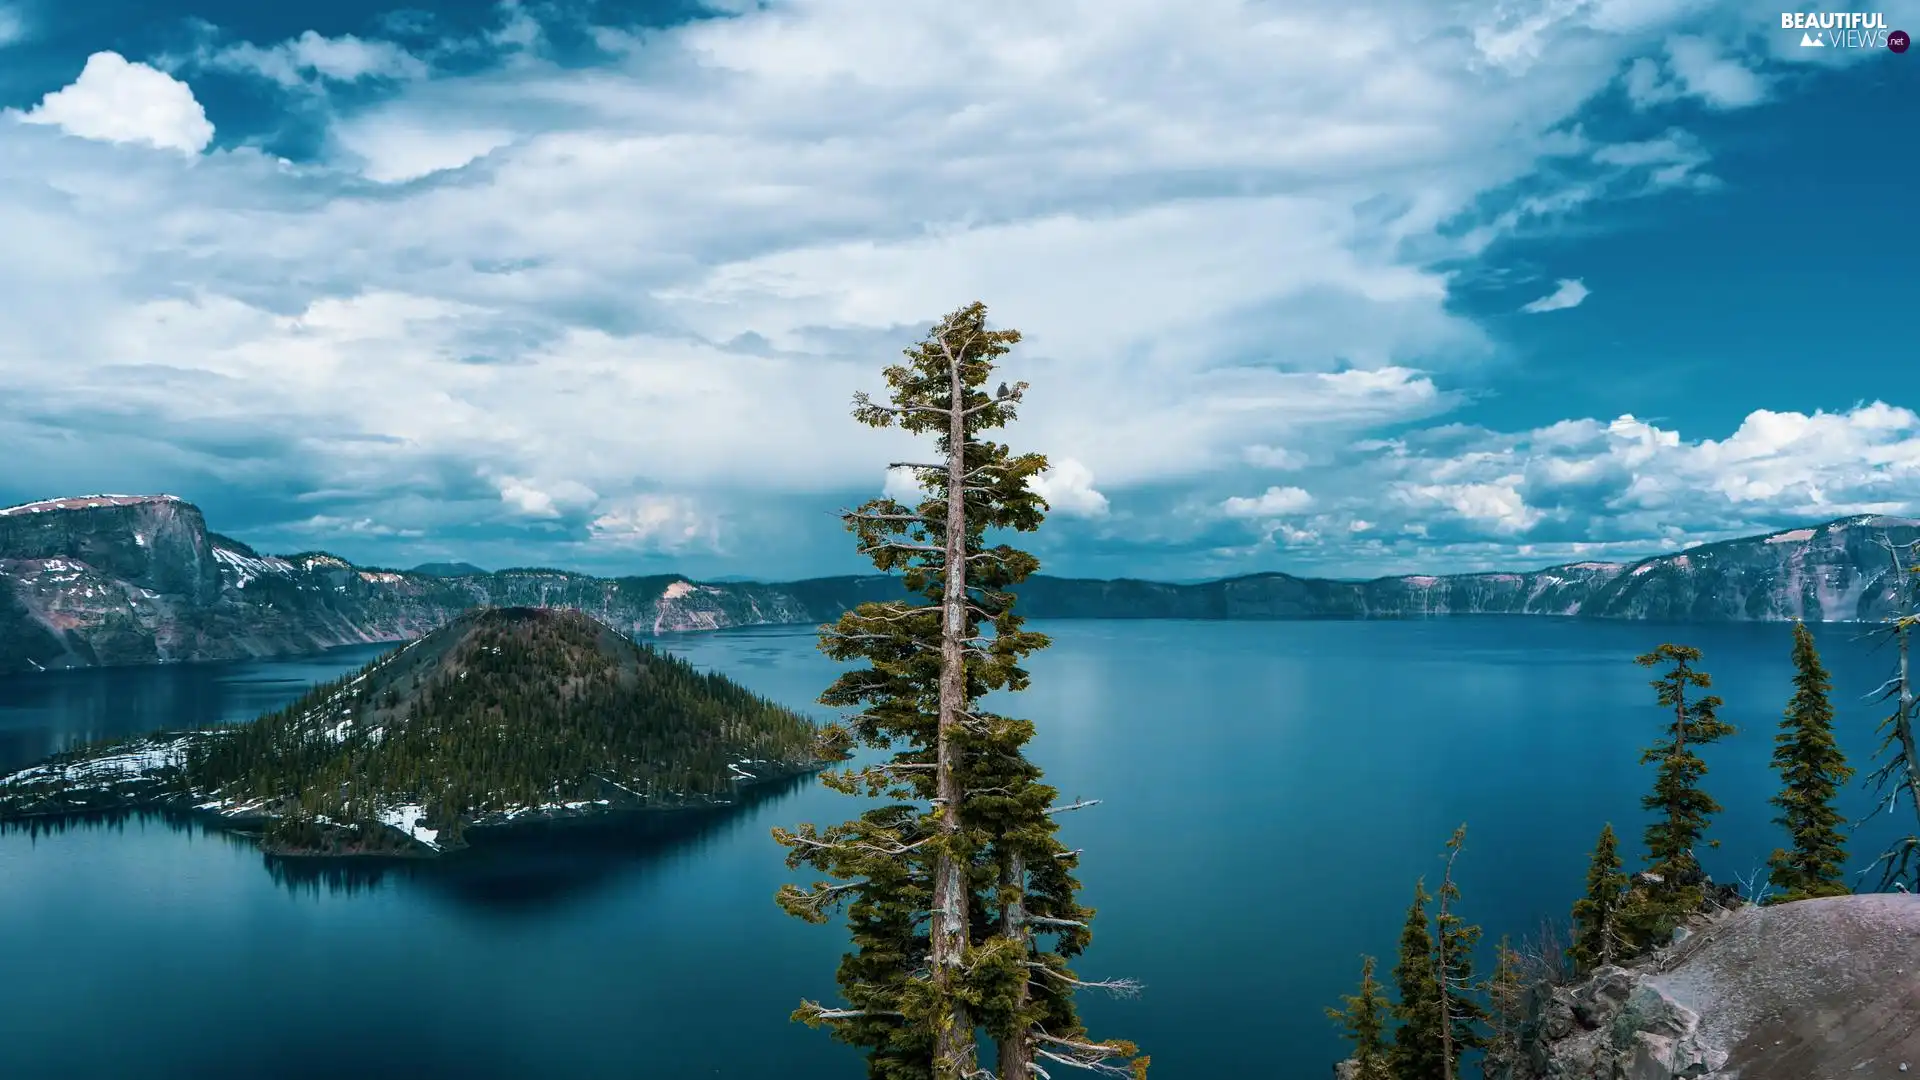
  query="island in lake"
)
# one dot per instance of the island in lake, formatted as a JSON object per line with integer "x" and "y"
{"x": 503, "y": 715}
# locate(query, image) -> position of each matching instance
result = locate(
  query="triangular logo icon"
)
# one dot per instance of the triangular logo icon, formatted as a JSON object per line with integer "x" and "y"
{"x": 1808, "y": 41}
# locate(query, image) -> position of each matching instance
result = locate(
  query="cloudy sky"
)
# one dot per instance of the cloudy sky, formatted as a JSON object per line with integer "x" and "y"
{"x": 1329, "y": 286}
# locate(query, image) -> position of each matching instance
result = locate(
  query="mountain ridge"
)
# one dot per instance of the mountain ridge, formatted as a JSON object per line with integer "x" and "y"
{"x": 108, "y": 580}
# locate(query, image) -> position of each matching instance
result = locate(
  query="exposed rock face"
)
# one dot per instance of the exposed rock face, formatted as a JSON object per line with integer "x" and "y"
{"x": 114, "y": 579}
{"x": 1817, "y": 989}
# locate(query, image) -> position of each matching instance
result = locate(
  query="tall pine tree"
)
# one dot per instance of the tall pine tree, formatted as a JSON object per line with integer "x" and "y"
{"x": 1363, "y": 1022}
{"x": 1596, "y": 933}
{"x": 1507, "y": 1000}
{"x": 1683, "y": 810}
{"x": 1812, "y": 770}
{"x": 1415, "y": 1054}
{"x": 960, "y": 897}
{"x": 1461, "y": 1016}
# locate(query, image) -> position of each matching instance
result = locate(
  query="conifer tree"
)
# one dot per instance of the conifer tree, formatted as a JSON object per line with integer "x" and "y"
{"x": 1461, "y": 1016}
{"x": 1596, "y": 936}
{"x": 1507, "y": 998}
{"x": 1363, "y": 1022}
{"x": 1415, "y": 1054}
{"x": 1898, "y": 775}
{"x": 1812, "y": 769}
{"x": 960, "y": 897}
{"x": 1683, "y": 809}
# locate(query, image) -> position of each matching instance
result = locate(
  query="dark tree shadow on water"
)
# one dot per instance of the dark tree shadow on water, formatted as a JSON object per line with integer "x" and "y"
{"x": 535, "y": 867}
{"x": 523, "y": 869}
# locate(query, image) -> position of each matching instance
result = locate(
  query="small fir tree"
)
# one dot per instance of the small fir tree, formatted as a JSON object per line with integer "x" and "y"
{"x": 1507, "y": 998}
{"x": 1812, "y": 769}
{"x": 1461, "y": 1017}
{"x": 1363, "y": 1022}
{"x": 1683, "y": 809}
{"x": 1415, "y": 1054}
{"x": 1596, "y": 936}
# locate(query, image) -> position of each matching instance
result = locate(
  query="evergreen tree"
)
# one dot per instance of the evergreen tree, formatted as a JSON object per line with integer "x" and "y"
{"x": 1415, "y": 1054}
{"x": 1507, "y": 996}
{"x": 1363, "y": 1022}
{"x": 1812, "y": 770}
{"x": 1683, "y": 809}
{"x": 1461, "y": 1017}
{"x": 960, "y": 897}
{"x": 1596, "y": 935}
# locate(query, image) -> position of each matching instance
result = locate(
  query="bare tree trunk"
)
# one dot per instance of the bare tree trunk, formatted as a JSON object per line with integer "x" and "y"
{"x": 1446, "y": 995}
{"x": 1016, "y": 1053}
{"x": 954, "y": 1041}
{"x": 1903, "y": 722}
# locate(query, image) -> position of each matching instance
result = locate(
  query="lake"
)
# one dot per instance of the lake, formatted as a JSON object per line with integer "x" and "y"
{"x": 1270, "y": 792}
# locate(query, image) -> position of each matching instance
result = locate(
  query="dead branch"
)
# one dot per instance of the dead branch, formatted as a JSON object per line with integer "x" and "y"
{"x": 1081, "y": 805}
{"x": 1120, "y": 988}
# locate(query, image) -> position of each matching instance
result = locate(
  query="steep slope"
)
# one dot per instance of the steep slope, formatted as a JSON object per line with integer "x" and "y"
{"x": 1801, "y": 991}
{"x": 115, "y": 579}
{"x": 500, "y": 714}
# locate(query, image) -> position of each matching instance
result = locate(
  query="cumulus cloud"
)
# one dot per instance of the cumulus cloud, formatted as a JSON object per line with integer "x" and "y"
{"x": 1220, "y": 226}
{"x": 1274, "y": 502}
{"x": 1067, "y": 485}
{"x": 663, "y": 523}
{"x": 1471, "y": 497}
{"x": 1569, "y": 293}
{"x": 119, "y": 101}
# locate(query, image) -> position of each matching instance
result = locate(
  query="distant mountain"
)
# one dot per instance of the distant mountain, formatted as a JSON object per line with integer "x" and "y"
{"x": 114, "y": 579}
{"x": 501, "y": 715}
{"x": 447, "y": 569}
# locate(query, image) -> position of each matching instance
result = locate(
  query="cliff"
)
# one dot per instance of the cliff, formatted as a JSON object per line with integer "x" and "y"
{"x": 1813, "y": 989}
{"x": 115, "y": 579}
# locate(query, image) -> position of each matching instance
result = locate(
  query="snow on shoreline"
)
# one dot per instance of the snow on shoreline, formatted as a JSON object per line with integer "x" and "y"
{"x": 407, "y": 820}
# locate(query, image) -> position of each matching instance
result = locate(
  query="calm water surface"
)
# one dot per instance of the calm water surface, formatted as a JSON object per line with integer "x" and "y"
{"x": 1271, "y": 790}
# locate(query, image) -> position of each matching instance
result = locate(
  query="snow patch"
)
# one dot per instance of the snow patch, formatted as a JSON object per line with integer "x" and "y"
{"x": 1791, "y": 536}
{"x": 407, "y": 820}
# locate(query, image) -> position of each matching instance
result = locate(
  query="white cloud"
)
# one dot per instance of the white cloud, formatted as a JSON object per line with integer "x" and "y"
{"x": 1715, "y": 78}
{"x": 1274, "y": 502}
{"x": 311, "y": 57}
{"x": 544, "y": 500}
{"x": 13, "y": 26}
{"x": 1218, "y": 224}
{"x": 118, "y": 101}
{"x": 662, "y": 523}
{"x": 1567, "y": 294}
{"x": 1067, "y": 485}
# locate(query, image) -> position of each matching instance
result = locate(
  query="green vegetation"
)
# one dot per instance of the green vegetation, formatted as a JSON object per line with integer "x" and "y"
{"x": 1416, "y": 1042}
{"x": 1596, "y": 934}
{"x": 503, "y": 710}
{"x": 1683, "y": 810}
{"x": 1363, "y": 1022}
{"x": 960, "y": 897}
{"x": 1812, "y": 770}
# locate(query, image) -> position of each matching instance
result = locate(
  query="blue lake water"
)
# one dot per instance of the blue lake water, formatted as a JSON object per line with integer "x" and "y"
{"x": 1270, "y": 792}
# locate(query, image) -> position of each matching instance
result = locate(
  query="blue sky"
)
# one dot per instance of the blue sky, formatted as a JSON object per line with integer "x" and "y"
{"x": 1334, "y": 288}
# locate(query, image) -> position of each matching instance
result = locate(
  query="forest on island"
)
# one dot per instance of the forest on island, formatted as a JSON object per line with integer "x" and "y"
{"x": 503, "y": 709}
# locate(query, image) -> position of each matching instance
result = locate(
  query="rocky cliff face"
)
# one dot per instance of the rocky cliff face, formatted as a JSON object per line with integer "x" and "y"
{"x": 114, "y": 579}
{"x": 1802, "y": 991}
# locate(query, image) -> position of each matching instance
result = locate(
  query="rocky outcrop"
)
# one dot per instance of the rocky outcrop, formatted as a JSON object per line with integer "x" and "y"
{"x": 1811, "y": 990}
{"x": 117, "y": 579}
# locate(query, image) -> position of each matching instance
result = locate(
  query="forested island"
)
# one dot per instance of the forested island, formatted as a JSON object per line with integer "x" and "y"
{"x": 505, "y": 714}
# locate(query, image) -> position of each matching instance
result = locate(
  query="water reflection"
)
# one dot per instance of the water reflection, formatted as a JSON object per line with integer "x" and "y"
{"x": 528, "y": 869}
